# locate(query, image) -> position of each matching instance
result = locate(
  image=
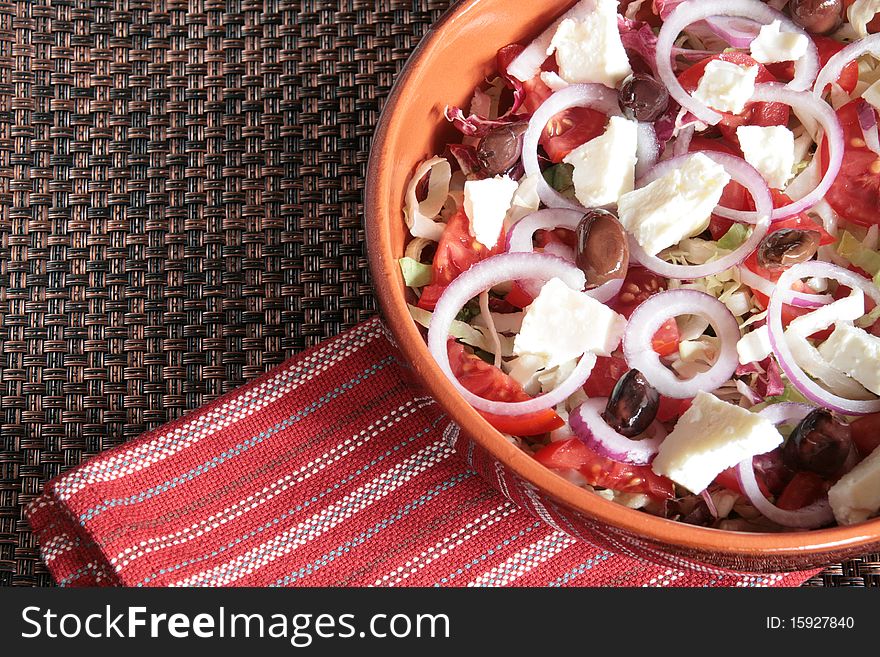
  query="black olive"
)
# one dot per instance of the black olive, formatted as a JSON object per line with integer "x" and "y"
{"x": 817, "y": 16}
{"x": 500, "y": 149}
{"x": 643, "y": 98}
{"x": 786, "y": 247}
{"x": 602, "y": 248}
{"x": 632, "y": 405}
{"x": 820, "y": 443}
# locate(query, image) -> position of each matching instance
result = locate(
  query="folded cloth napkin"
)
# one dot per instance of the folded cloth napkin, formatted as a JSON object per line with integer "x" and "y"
{"x": 330, "y": 470}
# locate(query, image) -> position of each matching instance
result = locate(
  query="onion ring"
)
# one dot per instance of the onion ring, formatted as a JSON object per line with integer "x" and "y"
{"x": 587, "y": 423}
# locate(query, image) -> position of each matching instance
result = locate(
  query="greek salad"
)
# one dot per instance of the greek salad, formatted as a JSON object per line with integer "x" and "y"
{"x": 652, "y": 259}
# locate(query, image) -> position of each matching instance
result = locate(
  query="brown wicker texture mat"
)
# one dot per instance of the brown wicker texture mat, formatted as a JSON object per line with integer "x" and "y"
{"x": 180, "y": 210}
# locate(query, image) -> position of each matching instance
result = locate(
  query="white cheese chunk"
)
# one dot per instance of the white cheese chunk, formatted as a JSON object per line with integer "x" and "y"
{"x": 770, "y": 149}
{"x": 754, "y": 346}
{"x": 856, "y": 495}
{"x": 860, "y": 13}
{"x": 725, "y": 86}
{"x": 561, "y": 324}
{"x": 675, "y": 206}
{"x": 771, "y": 45}
{"x": 590, "y": 50}
{"x": 486, "y": 203}
{"x": 710, "y": 437}
{"x": 855, "y": 352}
{"x": 604, "y": 167}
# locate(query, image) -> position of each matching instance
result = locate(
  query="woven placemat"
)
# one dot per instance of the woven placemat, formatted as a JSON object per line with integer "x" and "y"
{"x": 180, "y": 210}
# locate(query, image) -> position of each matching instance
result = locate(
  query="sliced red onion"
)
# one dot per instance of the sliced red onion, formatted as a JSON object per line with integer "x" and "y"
{"x": 647, "y": 148}
{"x": 650, "y": 315}
{"x": 737, "y": 32}
{"x": 809, "y": 388}
{"x": 596, "y": 96}
{"x": 528, "y": 63}
{"x": 804, "y": 104}
{"x": 868, "y": 124}
{"x": 683, "y": 141}
{"x": 786, "y": 412}
{"x": 743, "y": 173}
{"x": 481, "y": 277}
{"x": 607, "y": 291}
{"x": 813, "y": 516}
{"x": 519, "y": 239}
{"x": 690, "y": 12}
{"x": 792, "y": 298}
{"x": 832, "y": 70}
{"x": 587, "y": 423}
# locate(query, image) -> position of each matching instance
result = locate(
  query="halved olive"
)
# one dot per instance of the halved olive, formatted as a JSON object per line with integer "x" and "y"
{"x": 602, "y": 249}
{"x": 820, "y": 443}
{"x": 786, "y": 247}
{"x": 632, "y": 405}
{"x": 500, "y": 149}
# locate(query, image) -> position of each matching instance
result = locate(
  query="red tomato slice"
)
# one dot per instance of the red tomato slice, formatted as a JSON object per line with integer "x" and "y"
{"x": 605, "y": 374}
{"x": 770, "y": 473}
{"x": 855, "y": 193}
{"x": 638, "y": 285}
{"x": 489, "y": 382}
{"x": 456, "y": 252}
{"x": 828, "y": 47}
{"x": 765, "y": 114}
{"x": 866, "y": 433}
{"x": 803, "y": 489}
{"x": 601, "y": 471}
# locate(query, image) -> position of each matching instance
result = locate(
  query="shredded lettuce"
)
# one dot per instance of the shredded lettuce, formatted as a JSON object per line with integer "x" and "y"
{"x": 420, "y": 215}
{"x": 858, "y": 254}
{"x": 734, "y": 237}
{"x": 791, "y": 394}
{"x": 415, "y": 273}
{"x": 474, "y": 336}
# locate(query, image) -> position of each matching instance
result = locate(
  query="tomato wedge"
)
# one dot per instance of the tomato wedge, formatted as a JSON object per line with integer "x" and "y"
{"x": 456, "y": 252}
{"x": 803, "y": 489}
{"x": 865, "y": 433}
{"x": 855, "y": 194}
{"x": 603, "y": 472}
{"x": 827, "y": 47}
{"x": 765, "y": 114}
{"x": 491, "y": 383}
{"x": 639, "y": 284}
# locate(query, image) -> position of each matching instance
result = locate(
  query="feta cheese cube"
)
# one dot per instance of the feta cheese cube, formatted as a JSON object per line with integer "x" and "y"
{"x": 675, "y": 206}
{"x": 486, "y": 203}
{"x": 604, "y": 167}
{"x": 855, "y": 352}
{"x": 771, "y": 45}
{"x": 590, "y": 50}
{"x": 726, "y": 87}
{"x": 770, "y": 149}
{"x": 710, "y": 437}
{"x": 754, "y": 346}
{"x": 856, "y": 495}
{"x": 561, "y": 324}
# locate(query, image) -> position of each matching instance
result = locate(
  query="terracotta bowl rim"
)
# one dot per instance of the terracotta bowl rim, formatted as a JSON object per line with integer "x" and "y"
{"x": 393, "y": 307}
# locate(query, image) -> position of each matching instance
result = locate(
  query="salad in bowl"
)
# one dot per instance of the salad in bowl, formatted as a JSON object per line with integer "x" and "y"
{"x": 650, "y": 258}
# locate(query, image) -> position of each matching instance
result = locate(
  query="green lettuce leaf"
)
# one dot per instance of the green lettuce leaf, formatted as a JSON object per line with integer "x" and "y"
{"x": 415, "y": 273}
{"x": 858, "y": 254}
{"x": 734, "y": 237}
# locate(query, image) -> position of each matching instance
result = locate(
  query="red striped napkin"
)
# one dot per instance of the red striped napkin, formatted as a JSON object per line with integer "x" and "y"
{"x": 330, "y": 470}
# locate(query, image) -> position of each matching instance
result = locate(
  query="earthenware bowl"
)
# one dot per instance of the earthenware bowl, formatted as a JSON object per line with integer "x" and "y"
{"x": 451, "y": 60}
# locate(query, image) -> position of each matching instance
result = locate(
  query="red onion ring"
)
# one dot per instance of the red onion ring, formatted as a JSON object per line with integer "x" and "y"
{"x": 834, "y": 67}
{"x": 791, "y": 298}
{"x": 652, "y": 313}
{"x": 743, "y": 173}
{"x": 868, "y": 124}
{"x": 519, "y": 240}
{"x": 737, "y": 32}
{"x": 596, "y": 96}
{"x": 813, "y": 516}
{"x": 802, "y": 102}
{"x": 683, "y": 141}
{"x": 481, "y": 277}
{"x": 692, "y": 11}
{"x": 587, "y": 423}
{"x": 809, "y": 388}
